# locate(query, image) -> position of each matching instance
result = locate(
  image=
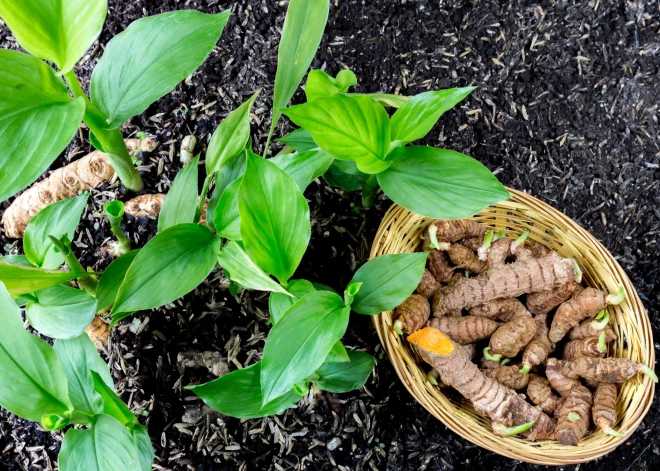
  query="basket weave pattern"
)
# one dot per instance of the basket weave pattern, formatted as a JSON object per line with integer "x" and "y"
{"x": 400, "y": 231}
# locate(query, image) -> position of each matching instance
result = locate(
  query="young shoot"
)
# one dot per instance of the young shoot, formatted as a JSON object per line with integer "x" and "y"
{"x": 488, "y": 356}
{"x": 488, "y": 240}
{"x": 398, "y": 327}
{"x": 615, "y": 299}
{"x": 433, "y": 237}
{"x": 351, "y": 292}
{"x": 114, "y": 210}
{"x": 573, "y": 416}
{"x": 602, "y": 344}
{"x": 504, "y": 431}
{"x": 612, "y": 432}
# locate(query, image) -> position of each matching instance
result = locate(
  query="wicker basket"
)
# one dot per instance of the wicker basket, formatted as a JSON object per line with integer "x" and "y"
{"x": 400, "y": 231}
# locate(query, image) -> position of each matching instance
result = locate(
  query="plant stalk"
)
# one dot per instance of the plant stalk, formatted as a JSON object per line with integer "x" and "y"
{"x": 110, "y": 139}
{"x": 87, "y": 282}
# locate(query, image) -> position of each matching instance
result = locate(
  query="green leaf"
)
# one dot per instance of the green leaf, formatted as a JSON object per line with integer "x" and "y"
{"x": 38, "y": 118}
{"x": 145, "y": 450}
{"x": 304, "y": 167}
{"x": 33, "y": 381}
{"x": 299, "y": 140}
{"x": 58, "y": 31}
{"x": 169, "y": 266}
{"x": 79, "y": 357}
{"x": 61, "y": 312}
{"x": 338, "y": 354}
{"x": 345, "y": 174}
{"x": 345, "y": 377}
{"x": 56, "y": 219}
{"x": 111, "y": 280}
{"x": 227, "y": 220}
{"x": 19, "y": 279}
{"x": 440, "y": 183}
{"x": 320, "y": 84}
{"x": 279, "y": 303}
{"x": 230, "y": 137}
{"x": 301, "y": 35}
{"x": 274, "y": 218}
{"x": 419, "y": 114}
{"x": 149, "y": 58}
{"x": 231, "y": 169}
{"x": 181, "y": 201}
{"x": 387, "y": 281}
{"x": 238, "y": 394}
{"x": 385, "y": 99}
{"x": 243, "y": 270}
{"x": 299, "y": 343}
{"x": 349, "y": 128}
{"x": 106, "y": 446}
{"x": 112, "y": 403}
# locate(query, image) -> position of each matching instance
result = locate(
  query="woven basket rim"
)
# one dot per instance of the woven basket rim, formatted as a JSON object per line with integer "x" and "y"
{"x": 636, "y": 395}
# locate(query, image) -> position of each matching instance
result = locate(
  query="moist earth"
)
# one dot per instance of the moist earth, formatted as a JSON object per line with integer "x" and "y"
{"x": 566, "y": 109}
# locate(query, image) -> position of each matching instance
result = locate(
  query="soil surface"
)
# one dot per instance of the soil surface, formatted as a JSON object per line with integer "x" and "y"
{"x": 567, "y": 109}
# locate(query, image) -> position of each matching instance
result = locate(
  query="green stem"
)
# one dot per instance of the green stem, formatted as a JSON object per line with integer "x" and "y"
{"x": 650, "y": 373}
{"x": 369, "y": 190}
{"x": 124, "y": 243}
{"x": 202, "y": 197}
{"x": 488, "y": 240}
{"x": 525, "y": 369}
{"x": 87, "y": 282}
{"x": 110, "y": 139}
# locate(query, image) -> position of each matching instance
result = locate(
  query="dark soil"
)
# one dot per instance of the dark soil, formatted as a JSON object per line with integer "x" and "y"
{"x": 567, "y": 109}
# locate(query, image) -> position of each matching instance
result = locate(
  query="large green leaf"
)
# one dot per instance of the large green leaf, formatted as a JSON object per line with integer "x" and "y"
{"x": 79, "y": 358}
{"x": 181, "y": 201}
{"x": 301, "y": 35}
{"x": 243, "y": 270}
{"x": 58, "y": 31}
{"x": 304, "y": 167}
{"x": 38, "y": 118}
{"x": 57, "y": 219}
{"x": 61, "y": 312}
{"x": 387, "y": 281}
{"x": 279, "y": 303}
{"x": 230, "y": 137}
{"x": 345, "y": 174}
{"x": 348, "y": 127}
{"x": 169, "y": 266}
{"x": 346, "y": 376}
{"x": 33, "y": 380}
{"x": 149, "y": 59}
{"x": 231, "y": 169}
{"x": 338, "y": 354}
{"x": 143, "y": 446}
{"x": 112, "y": 278}
{"x": 19, "y": 279}
{"x": 299, "y": 343}
{"x": 106, "y": 446}
{"x": 274, "y": 218}
{"x": 238, "y": 394}
{"x": 440, "y": 183}
{"x": 227, "y": 220}
{"x": 419, "y": 114}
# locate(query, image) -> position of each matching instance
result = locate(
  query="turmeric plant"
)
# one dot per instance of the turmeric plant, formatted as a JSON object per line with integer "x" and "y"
{"x": 140, "y": 65}
{"x": 68, "y": 384}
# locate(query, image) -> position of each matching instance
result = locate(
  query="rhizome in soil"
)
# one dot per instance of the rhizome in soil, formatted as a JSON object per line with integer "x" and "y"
{"x": 567, "y": 109}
